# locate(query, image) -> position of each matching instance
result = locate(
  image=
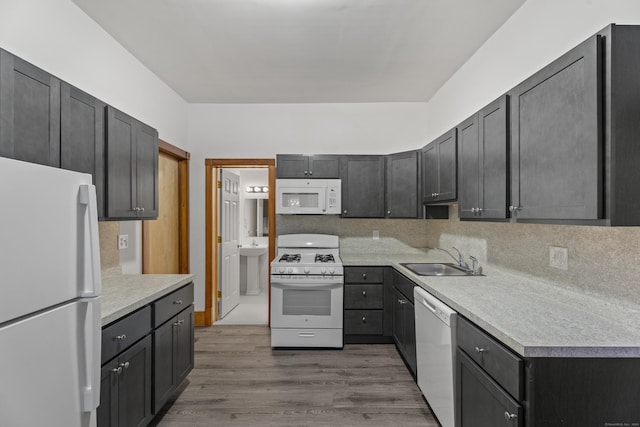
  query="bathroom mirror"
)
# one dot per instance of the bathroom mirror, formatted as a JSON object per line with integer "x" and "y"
{"x": 256, "y": 217}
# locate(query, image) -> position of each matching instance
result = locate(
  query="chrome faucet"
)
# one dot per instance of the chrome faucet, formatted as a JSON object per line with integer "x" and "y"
{"x": 459, "y": 259}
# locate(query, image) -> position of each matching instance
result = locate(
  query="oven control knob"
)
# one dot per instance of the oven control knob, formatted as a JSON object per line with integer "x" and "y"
{"x": 307, "y": 270}
{"x": 281, "y": 269}
{"x": 323, "y": 270}
{"x": 289, "y": 270}
{"x": 332, "y": 270}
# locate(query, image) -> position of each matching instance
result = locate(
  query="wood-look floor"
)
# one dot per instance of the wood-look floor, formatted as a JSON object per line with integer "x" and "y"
{"x": 238, "y": 380}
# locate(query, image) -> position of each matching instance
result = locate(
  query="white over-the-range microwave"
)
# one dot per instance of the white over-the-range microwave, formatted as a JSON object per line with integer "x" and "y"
{"x": 308, "y": 196}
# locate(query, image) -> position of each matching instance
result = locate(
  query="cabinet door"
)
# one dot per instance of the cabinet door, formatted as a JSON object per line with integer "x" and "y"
{"x": 398, "y": 319}
{"x": 430, "y": 183}
{"x": 448, "y": 166}
{"x": 134, "y": 390}
{"x": 164, "y": 362}
{"x": 494, "y": 160}
{"x": 146, "y": 178}
{"x": 121, "y": 165}
{"x": 107, "y": 412}
{"x": 292, "y": 166}
{"x": 469, "y": 168}
{"x": 402, "y": 191}
{"x": 184, "y": 345}
{"x": 557, "y": 137}
{"x": 409, "y": 314}
{"x": 480, "y": 401}
{"x": 29, "y": 112}
{"x": 324, "y": 166}
{"x": 82, "y": 136}
{"x": 362, "y": 186}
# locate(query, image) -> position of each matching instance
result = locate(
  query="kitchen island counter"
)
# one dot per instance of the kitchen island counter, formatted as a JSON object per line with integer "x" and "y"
{"x": 533, "y": 317}
{"x": 124, "y": 293}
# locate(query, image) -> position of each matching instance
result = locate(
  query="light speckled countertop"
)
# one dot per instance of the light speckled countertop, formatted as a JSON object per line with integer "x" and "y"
{"x": 532, "y": 317}
{"x": 124, "y": 293}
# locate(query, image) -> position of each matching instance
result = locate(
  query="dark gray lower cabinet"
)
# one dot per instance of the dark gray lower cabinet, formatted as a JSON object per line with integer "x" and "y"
{"x": 404, "y": 323}
{"x": 173, "y": 352}
{"x": 125, "y": 398}
{"x": 367, "y": 305}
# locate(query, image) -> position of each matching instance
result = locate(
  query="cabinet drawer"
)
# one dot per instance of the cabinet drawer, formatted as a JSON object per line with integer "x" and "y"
{"x": 363, "y": 322}
{"x": 500, "y": 363}
{"x": 363, "y": 296}
{"x": 403, "y": 285}
{"x": 170, "y": 305}
{"x": 120, "y": 335}
{"x": 364, "y": 275}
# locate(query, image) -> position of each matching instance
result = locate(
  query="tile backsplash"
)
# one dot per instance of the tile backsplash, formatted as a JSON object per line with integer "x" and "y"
{"x": 109, "y": 256}
{"x": 602, "y": 260}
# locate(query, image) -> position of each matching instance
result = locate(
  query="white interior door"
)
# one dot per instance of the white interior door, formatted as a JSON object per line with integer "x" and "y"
{"x": 229, "y": 261}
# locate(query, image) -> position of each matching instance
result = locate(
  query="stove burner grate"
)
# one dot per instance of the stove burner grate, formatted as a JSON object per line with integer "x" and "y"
{"x": 324, "y": 258}
{"x": 290, "y": 258}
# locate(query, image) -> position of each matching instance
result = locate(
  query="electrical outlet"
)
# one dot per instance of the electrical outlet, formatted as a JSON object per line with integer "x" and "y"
{"x": 376, "y": 235}
{"x": 559, "y": 257}
{"x": 123, "y": 241}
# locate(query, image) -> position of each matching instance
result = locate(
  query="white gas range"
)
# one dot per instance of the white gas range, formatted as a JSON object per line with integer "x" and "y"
{"x": 307, "y": 288}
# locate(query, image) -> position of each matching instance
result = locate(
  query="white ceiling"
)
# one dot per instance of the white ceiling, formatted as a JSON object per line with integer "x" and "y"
{"x": 276, "y": 51}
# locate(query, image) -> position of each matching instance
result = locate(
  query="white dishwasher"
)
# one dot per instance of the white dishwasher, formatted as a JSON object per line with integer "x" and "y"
{"x": 435, "y": 351}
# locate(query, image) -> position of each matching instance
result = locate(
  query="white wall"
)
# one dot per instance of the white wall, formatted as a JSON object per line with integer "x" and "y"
{"x": 539, "y": 32}
{"x": 58, "y": 37}
{"x": 263, "y": 130}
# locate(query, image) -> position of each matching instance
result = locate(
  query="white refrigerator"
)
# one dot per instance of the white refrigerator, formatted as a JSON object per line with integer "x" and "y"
{"x": 50, "y": 311}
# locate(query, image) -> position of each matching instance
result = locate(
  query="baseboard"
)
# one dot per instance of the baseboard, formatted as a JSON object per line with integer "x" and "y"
{"x": 198, "y": 318}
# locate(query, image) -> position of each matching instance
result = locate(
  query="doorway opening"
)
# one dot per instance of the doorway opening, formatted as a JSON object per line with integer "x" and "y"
{"x": 240, "y": 249}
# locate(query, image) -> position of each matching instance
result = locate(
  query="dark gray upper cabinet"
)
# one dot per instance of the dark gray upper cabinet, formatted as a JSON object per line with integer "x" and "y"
{"x": 439, "y": 169}
{"x": 403, "y": 185}
{"x": 132, "y": 168}
{"x": 483, "y": 163}
{"x": 29, "y": 112}
{"x": 557, "y": 138}
{"x": 362, "y": 186}
{"x": 82, "y": 136}
{"x": 300, "y": 166}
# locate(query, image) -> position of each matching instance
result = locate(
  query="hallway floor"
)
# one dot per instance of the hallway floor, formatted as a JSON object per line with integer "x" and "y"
{"x": 252, "y": 310}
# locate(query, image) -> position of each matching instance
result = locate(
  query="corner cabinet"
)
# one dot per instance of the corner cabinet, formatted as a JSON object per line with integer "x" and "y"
{"x": 362, "y": 186}
{"x": 483, "y": 147}
{"x": 132, "y": 168}
{"x": 402, "y": 193}
{"x": 439, "y": 169}
{"x": 29, "y": 112}
{"x": 404, "y": 322}
{"x": 301, "y": 166}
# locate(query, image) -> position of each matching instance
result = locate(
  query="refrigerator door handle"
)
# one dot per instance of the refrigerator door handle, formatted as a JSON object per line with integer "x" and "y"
{"x": 88, "y": 197}
{"x": 91, "y": 348}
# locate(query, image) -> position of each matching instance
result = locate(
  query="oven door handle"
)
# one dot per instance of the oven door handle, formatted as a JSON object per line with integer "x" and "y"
{"x": 307, "y": 285}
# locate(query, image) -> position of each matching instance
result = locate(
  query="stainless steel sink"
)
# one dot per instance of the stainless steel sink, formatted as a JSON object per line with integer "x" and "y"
{"x": 437, "y": 269}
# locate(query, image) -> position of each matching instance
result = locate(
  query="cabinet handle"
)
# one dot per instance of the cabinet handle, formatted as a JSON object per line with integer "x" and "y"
{"x": 344, "y": 212}
{"x": 481, "y": 350}
{"x": 310, "y": 172}
{"x": 306, "y": 172}
{"x": 364, "y": 276}
{"x": 364, "y": 319}
{"x": 124, "y": 365}
{"x": 178, "y": 323}
{"x": 141, "y": 209}
{"x": 121, "y": 337}
{"x": 388, "y": 212}
{"x": 117, "y": 370}
{"x": 136, "y": 209}
{"x": 514, "y": 208}
{"x": 178, "y": 302}
{"x": 479, "y": 210}
{"x": 364, "y": 293}
{"x": 473, "y": 210}
{"x": 508, "y": 416}
{"x": 401, "y": 301}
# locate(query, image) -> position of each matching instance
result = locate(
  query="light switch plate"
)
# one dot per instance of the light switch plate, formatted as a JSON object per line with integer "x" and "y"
{"x": 376, "y": 235}
{"x": 559, "y": 257}
{"x": 123, "y": 241}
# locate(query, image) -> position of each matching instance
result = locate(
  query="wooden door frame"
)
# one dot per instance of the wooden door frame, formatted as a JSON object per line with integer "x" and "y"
{"x": 183, "y": 196}
{"x": 211, "y": 228}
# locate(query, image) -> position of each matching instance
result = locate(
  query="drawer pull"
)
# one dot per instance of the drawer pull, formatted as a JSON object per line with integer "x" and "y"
{"x": 178, "y": 323}
{"x": 509, "y": 417}
{"x": 121, "y": 337}
{"x": 364, "y": 293}
{"x": 364, "y": 276}
{"x": 117, "y": 370}
{"x": 481, "y": 350}
{"x": 364, "y": 319}
{"x": 401, "y": 301}
{"x": 178, "y": 302}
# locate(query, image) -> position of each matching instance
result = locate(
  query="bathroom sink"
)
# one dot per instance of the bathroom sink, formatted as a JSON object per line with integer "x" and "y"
{"x": 437, "y": 269}
{"x": 253, "y": 250}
